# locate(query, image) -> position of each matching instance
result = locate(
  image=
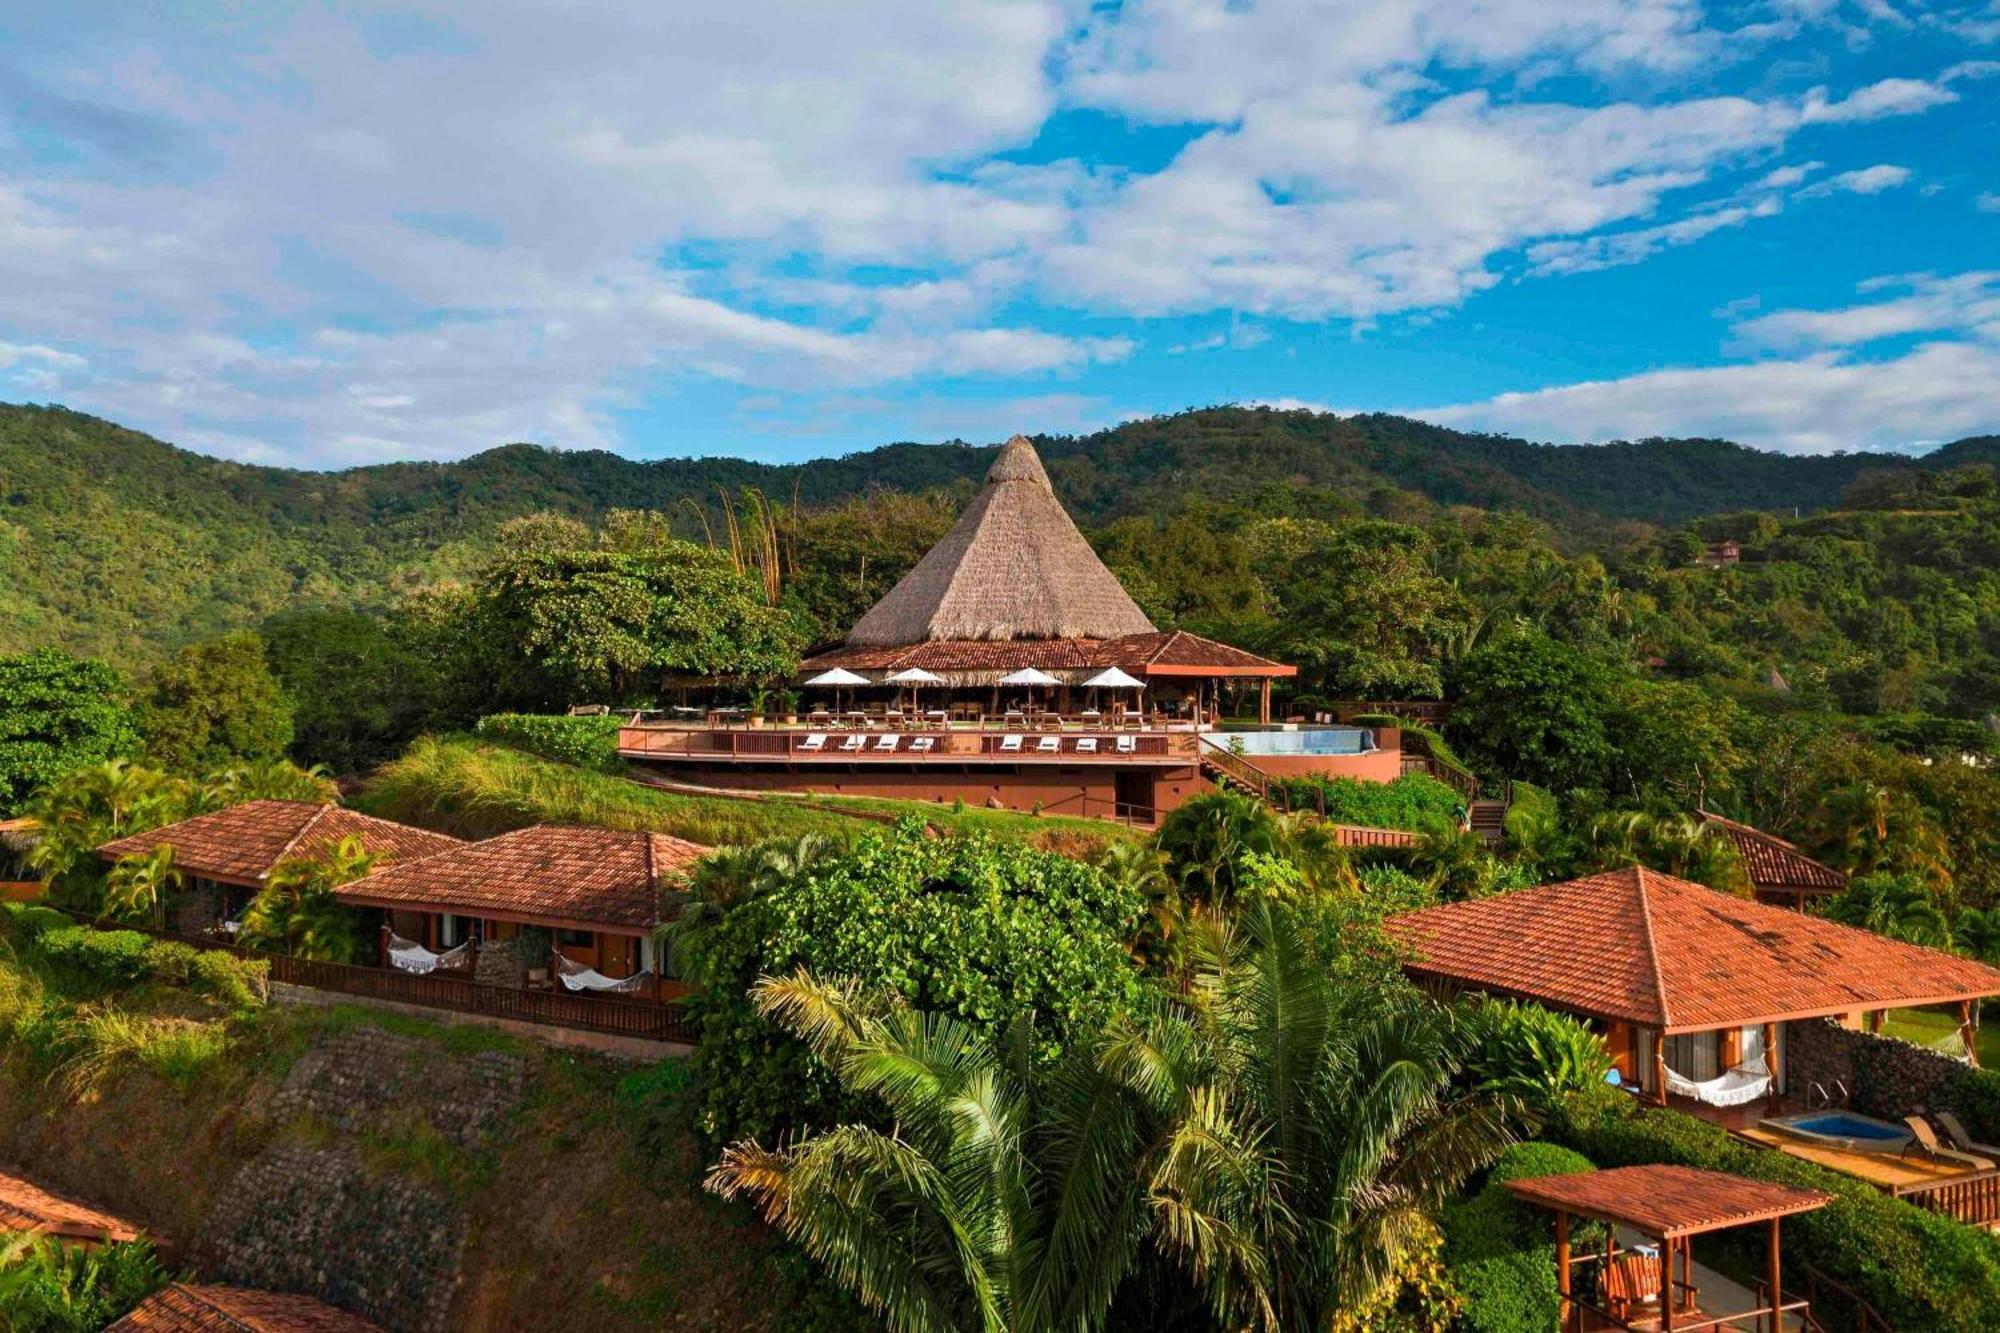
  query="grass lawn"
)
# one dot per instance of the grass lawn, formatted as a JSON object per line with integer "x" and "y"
{"x": 1924, "y": 1026}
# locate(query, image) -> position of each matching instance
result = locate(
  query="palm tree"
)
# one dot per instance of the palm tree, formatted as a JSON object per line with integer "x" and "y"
{"x": 1141, "y": 868}
{"x": 268, "y": 780}
{"x": 1894, "y": 905}
{"x": 137, "y": 886}
{"x": 296, "y": 913}
{"x": 1206, "y": 840}
{"x": 81, "y": 811}
{"x": 1312, "y": 1121}
{"x": 1977, "y": 934}
{"x": 991, "y": 1205}
{"x": 728, "y": 878}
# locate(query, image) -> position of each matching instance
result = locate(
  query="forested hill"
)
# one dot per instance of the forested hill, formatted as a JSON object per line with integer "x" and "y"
{"x": 115, "y": 543}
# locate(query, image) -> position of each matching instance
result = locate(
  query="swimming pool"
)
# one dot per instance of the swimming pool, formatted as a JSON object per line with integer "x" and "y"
{"x": 1845, "y": 1129}
{"x": 1306, "y": 741}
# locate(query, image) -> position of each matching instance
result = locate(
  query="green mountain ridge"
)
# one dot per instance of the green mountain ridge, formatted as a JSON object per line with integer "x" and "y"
{"x": 118, "y": 544}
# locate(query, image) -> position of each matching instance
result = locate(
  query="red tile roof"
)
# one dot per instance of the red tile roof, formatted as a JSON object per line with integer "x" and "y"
{"x": 546, "y": 875}
{"x": 1642, "y": 947}
{"x": 26, "y": 1207}
{"x": 1774, "y": 864}
{"x": 242, "y": 843}
{"x": 1668, "y": 1202}
{"x": 181, "y": 1308}
{"x": 1163, "y": 653}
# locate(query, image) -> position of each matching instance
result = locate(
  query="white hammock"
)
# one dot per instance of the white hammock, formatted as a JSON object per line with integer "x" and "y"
{"x": 576, "y": 976}
{"x": 1743, "y": 1084}
{"x": 411, "y": 956}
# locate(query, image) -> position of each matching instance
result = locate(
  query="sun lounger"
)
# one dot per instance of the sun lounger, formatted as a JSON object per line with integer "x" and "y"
{"x": 1086, "y": 745}
{"x": 855, "y": 740}
{"x": 922, "y": 744}
{"x": 816, "y": 741}
{"x": 885, "y": 742}
{"x": 1954, "y": 1129}
{"x": 1128, "y": 745}
{"x": 1010, "y": 745}
{"x": 1924, "y": 1139}
{"x": 1049, "y": 745}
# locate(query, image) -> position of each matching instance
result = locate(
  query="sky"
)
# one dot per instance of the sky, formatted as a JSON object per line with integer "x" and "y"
{"x": 323, "y": 235}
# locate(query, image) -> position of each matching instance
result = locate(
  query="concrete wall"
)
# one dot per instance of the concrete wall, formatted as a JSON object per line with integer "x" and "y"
{"x": 1057, "y": 789}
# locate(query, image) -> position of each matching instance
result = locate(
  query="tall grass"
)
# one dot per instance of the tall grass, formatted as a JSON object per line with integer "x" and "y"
{"x": 102, "y": 1039}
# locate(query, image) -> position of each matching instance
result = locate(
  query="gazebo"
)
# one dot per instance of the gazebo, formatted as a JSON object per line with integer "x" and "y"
{"x": 1670, "y": 1205}
{"x": 26, "y": 1207}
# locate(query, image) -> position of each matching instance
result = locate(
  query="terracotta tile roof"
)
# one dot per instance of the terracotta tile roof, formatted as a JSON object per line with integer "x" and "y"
{"x": 26, "y": 1207}
{"x": 243, "y": 842}
{"x": 1668, "y": 1202}
{"x": 1642, "y": 947}
{"x": 1774, "y": 864}
{"x": 182, "y": 1308}
{"x": 1162, "y": 653}
{"x": 546, "y": 875}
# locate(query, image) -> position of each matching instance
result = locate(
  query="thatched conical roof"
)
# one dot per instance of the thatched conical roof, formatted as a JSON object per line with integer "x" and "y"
{"x": 1013, "y": 567}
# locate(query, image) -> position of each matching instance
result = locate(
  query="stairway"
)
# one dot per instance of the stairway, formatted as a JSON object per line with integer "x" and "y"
{"x": 1488, "y": 819}
{"x": 1225, "y": 768}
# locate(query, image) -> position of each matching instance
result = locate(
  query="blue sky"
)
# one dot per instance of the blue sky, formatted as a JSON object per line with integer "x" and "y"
{"x": 329, "y": 234}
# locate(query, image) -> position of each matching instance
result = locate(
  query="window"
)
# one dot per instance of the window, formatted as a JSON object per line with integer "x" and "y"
{"x": 1696, "y": 1056}
{"x": 581, "y": 939}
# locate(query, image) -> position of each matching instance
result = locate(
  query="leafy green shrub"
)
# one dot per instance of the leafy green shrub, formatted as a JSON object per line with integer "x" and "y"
{"x": 1975, "y": 1097}
{"x": 52, "y": 1286}
{"x": 112, "y": 956}
{"x": 1921, "y": 1270}
{"x": 1530, "y": 1052}
{"x": 1391, "y": 889}
{"x": 101, "y": 1038}
{"x": 1415, "y": 801}
{"x": 1500, "y": 1253}
{"x": 171, "y": 961}
{"x": 966, "y": 926}
{"x": 240, "y": 983}
{"x": 587, "y": 742}
{"x": 26, "y": 921}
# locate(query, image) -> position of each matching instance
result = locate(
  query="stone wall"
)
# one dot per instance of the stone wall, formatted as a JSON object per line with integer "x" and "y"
{"x": 313, "y": 1220}
{"x": 355, "y": 1080}
{"x": 1886, "y": 1076}
{"x": 496, "y": 964}
{"x": 195, "y": 911}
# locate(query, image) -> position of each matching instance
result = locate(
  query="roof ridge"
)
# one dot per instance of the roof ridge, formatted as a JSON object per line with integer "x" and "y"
{"x": 1652, "y": 946}
{"x": 286, "y": 851}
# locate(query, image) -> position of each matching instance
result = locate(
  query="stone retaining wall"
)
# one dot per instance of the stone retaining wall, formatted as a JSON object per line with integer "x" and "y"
{"x": 1886, "y": 1076}
{"x": 355, "y": 1079}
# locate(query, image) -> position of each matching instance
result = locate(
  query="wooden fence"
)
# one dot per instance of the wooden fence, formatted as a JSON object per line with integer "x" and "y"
{"x": 613, "y": 1015}
{"x": 1972, "y": 1199}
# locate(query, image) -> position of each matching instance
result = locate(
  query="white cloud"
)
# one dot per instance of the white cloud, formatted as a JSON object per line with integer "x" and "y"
{"x": 1987, "y": 202}
{"x": 1868, "y": 180}
{"x": 1890, "y": 97}
{"x": 1967, "y": 303}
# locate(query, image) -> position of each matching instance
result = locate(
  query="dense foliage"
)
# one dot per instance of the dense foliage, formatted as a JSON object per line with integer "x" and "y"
{"x": 56, "y": 1286}
{"x": 1415, "y": 801}
{"x": 1499, "y": 1253}
{"x": 979, "y": 930}
{"x": 588, "y": 742}
{"x": 57, "y": 714}
{"x": 213, "y": 703}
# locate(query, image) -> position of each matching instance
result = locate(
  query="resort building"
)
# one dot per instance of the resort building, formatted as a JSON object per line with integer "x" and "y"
{"x": 182, "y": 1307}
{"x": 1009, "y": 668}
{"x": 1696, "y": 993}
{"x": 1779, "y": 872}
{"x": 596, "y": 892}
{"x": 227, "y": 856}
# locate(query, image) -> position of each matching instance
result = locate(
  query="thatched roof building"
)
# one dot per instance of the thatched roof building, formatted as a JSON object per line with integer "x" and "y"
{"x": 1015, "y": 585}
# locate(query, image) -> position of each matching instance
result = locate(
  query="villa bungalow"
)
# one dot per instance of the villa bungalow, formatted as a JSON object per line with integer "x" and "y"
{"x": 183, "y": 1307}
{"x": 30, "y": 1208}
{"x": 1038, "y": 684}
{"x": 1690, "y": 988}
{"x": 19, "y": 883}
{"x": 1779, "y": 872}
{"x": 597, "y": 891}
{"x": 226, "y": 856}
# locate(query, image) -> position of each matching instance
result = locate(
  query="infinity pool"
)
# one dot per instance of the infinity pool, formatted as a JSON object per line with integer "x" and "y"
{"x": 1317, "y": 740}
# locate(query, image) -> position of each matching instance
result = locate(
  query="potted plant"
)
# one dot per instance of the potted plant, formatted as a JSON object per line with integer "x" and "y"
{"x": 534, "y": 949}
{"x": 788, "y": 703}
{"x": 760, "y": 698}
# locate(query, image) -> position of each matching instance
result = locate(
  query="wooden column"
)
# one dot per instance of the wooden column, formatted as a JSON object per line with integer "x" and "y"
{"x": 1875, "y": 1017}
{"x": 1666, "y": 1285}
{"x": 1966, "y": 1033}
{"x": 383, "y": 952}
{"x": 1562, "y": 1269}
{"x": 1264, "y": 701}
{"x": 1660, "y": 1064}
{"x": 1771, "y": 1059}
{"x": 1775, "y": 1277}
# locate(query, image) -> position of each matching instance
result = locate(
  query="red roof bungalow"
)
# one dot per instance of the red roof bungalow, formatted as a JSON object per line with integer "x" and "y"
{"x": 30, "y": 1208}
{"x": 184, "y": 1308}
{"x": 597, "y": 890}
{"x": 1779, "y": 872}
{"x": 1689, "y": 987}
{"x": 227, "y": 855}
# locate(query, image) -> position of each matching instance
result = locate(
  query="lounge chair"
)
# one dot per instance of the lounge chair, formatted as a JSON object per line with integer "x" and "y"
{"x": 854, "y": 741}
{"x": 1954, "y": 1130}
{"x": 814, "y": 742}
{"x": 1010, "y": 744}
{"x": 922, "y": 744}
{"x": 1922, "y": 1137}
{"x": 1086, "y": 745}
{"x": 1049, "y": 744}
{"x": 1128, "y": 745}
{"x": 886, "y": 742}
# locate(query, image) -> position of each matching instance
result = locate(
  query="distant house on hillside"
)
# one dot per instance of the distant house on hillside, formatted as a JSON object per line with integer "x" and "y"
{"x": 1779, "y": 872}
{"x": 1720, "y": 555}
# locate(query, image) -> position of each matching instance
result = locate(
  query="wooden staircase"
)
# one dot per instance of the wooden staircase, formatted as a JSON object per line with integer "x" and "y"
{"x": 1487, "y": 818}
{"x": 1225, "y": 768}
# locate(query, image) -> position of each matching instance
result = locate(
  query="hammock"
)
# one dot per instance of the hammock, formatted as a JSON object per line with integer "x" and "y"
{"x": 1951, "y": 1045}
{"x": 576, "y": 976}
{"x": 1743, "y": 1084}
{"x": 411, "y": 956}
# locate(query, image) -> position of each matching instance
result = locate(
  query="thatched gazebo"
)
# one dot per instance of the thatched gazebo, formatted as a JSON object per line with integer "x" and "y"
{"x": 1015, "y": 585}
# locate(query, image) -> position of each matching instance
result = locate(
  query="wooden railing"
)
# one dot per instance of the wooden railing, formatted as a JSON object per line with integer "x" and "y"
{"x": 1973, "y": 1199}
{"x": 1831, "y": 1307}
{"x": 1419, "y": 757}
{"x": 613, "y": 1015}
{"x": 1217, "y": 755}
{"x": 790, "y": 745}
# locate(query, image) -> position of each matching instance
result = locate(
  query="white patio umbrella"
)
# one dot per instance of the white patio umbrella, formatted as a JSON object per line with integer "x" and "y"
{"x": 1111, "y": 678}
{"x": 1031, "y": 677}
{"x": 836, "y": 678}
{"x": 913, "y": 677}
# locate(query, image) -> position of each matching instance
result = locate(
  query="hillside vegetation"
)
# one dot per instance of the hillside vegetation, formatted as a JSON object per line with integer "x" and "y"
{"x": 117, "y": 545}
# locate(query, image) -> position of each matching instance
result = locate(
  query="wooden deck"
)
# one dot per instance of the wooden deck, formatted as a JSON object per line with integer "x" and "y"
{"x": 1877, "y": 1168}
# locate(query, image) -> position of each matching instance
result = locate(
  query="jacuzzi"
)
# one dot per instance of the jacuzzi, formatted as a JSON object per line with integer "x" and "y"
{"x": 1843, "y": 1129}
